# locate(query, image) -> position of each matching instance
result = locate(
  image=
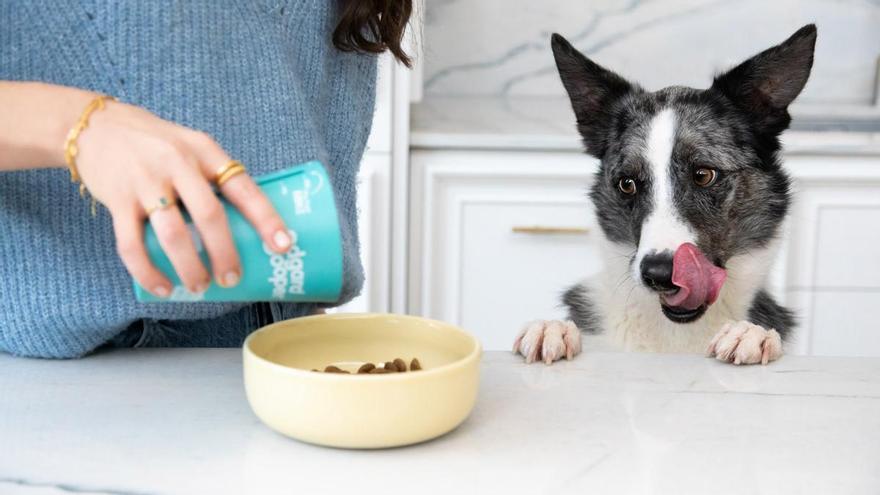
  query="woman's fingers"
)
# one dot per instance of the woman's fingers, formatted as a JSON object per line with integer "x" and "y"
{"x": 174, "y": 237}
{"x": 164, "y": 160}
{"x": 210, "y": 220}
{"x": 129, "y": 228}
{"x": 243, "y": 192}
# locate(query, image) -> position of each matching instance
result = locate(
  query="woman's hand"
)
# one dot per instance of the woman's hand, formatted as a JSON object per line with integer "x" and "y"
{"x": 130, "y": 159}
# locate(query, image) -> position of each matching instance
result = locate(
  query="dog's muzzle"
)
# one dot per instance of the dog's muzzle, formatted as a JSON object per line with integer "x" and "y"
{"x": 656, "y": 270}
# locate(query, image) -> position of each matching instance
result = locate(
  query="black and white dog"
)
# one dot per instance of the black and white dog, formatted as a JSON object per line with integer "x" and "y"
{"x": 690, "y": 196}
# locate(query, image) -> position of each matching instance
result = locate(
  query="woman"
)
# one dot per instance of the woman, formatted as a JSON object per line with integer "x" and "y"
{"x": 197, "y": 84}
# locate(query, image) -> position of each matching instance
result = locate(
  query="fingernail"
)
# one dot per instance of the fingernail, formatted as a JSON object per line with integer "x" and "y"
{"x": 202, "y": 287}
{"x": 161, "y": 291}
{"x": 282, "y": 239}
{"x": 230, "y": 279}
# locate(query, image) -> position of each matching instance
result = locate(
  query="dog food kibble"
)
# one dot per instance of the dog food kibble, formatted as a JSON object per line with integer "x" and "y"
{"x": 396, "y": 366}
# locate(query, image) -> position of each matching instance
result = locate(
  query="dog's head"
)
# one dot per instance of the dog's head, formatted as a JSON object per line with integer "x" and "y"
{"x": 689, "y": 178}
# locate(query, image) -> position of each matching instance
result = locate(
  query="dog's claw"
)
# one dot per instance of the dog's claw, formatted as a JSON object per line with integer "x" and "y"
{"x": 548, "y": 340}
{"x": 745, "y": 343}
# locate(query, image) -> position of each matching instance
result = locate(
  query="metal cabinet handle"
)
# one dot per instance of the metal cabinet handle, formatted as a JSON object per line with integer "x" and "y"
{"x": 538, "y": 229}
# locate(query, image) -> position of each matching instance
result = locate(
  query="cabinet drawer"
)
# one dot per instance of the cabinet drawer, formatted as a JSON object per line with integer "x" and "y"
{"x": 501, "y": 238}
{"x": 843, "y": 323}
{"x": 513, "y": 267}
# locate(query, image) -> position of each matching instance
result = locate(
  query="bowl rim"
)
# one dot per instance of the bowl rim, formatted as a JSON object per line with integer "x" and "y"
{"x": 474, "y": 355}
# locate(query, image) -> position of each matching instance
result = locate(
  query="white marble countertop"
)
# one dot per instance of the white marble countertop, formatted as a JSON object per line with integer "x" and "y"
{"x": 176, "y": 422}
{"x": 547, "y": 123}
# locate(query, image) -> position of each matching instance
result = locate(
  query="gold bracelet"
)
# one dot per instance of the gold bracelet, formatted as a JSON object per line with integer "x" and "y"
{"x": 71, "y": 148}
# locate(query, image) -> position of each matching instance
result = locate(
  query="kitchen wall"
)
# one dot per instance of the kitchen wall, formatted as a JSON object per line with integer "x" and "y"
{"x": 501, "y": 47}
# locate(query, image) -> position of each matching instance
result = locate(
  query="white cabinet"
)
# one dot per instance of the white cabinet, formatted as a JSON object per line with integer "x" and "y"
{"x": 498, "y": 236}
{"x": 484, "y": 254}
{"x": 833, "y": 269}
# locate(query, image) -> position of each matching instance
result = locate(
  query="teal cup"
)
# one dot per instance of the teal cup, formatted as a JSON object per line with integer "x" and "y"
{"x": 311, "y": 271}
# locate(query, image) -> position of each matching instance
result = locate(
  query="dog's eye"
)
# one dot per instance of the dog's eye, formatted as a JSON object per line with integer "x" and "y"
{"x": 705, "y": 177}
{"x": 627, "y": 185}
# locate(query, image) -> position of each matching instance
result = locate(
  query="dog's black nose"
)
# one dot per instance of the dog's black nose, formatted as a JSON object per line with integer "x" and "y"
{"x": 657, "y": 271}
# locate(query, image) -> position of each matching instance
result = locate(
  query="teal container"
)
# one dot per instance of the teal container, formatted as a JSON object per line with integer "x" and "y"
{"x": 311, "y": 271}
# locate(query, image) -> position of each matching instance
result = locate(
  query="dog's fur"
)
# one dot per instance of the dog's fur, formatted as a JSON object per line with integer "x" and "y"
{"x": 659, "y": 139}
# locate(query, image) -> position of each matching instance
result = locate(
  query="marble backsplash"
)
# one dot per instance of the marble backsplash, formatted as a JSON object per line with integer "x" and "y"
{"x": 501, "y": 47}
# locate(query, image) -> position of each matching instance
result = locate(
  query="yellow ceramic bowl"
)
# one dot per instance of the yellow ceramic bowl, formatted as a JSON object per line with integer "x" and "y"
{"x": 361, "y": 411}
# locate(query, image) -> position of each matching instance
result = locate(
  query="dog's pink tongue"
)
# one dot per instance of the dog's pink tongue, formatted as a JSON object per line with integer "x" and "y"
{"x": 698, "y": 280}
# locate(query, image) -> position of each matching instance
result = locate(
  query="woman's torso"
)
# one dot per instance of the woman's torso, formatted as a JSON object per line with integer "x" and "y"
{"x": 260, "y": 76}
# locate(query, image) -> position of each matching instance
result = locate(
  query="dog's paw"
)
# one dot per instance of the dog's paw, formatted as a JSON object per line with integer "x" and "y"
{"x": 742, "y": 342}
{"x": 548, "y": 340}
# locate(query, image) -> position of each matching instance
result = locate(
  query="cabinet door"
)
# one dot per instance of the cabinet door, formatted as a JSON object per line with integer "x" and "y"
{"x": 500, "y": 236}
{"x": 833, "y": 269}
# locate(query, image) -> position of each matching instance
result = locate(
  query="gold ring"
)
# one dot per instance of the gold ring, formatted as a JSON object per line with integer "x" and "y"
{"x": 162, "y": 204}
{"x": 228, "y": 171}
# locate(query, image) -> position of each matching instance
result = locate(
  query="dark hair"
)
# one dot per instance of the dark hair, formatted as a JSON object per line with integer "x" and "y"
{"x": 373, "y": 26}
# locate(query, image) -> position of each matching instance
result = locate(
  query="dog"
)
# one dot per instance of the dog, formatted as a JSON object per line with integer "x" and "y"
{"x": 691, "y": 197}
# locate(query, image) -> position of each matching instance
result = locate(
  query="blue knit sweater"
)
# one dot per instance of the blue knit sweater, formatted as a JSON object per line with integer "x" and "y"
{"x": 260, "y": 76}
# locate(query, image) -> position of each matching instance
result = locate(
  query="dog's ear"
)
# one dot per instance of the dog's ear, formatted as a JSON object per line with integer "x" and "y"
{"x": 764, "y": 85}
{"x": 592, "y": 90}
